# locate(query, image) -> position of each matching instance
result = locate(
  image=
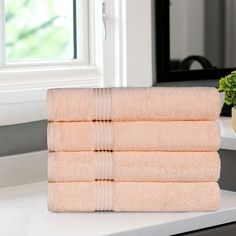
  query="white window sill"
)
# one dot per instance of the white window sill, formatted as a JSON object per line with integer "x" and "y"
{"x": 24, "y": 212}
{"x": 23, "y": 93}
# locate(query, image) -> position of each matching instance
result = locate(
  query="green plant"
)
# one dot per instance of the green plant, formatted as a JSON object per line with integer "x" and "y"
{"x": 227, "y": 84}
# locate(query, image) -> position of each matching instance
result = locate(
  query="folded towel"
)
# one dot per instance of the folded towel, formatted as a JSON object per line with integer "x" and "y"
{"x": 138, "y": 136}
{"x": 133, "y": 196}
{"x": 133, "y": 166}
{"x": 125, "y": 104}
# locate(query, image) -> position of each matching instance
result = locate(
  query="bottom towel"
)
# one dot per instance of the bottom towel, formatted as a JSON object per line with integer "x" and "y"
{"x": 133, "y": 196}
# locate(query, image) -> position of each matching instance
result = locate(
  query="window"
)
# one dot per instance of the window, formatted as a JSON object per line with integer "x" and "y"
{"x": 88, "y": 58}
{"x": 39, "y": 30}
{"x": 46, "y": 44}
{"x": 46, "y": 31}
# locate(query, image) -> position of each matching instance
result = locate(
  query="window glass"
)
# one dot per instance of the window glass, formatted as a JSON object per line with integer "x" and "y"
{"x": 39, "y": 30}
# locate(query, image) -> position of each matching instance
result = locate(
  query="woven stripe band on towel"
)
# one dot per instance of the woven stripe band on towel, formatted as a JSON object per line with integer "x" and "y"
{"x": 104, "y": 196}
{"x": 104, "y": 166}
{"x": 103, "y": 136}
{"x": 102, "y": 104}
{"x": 103, "y": 145}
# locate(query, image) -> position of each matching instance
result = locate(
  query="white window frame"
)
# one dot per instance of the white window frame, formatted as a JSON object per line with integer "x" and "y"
{"x": 23, "y": 86}
{"x": 85, "y": 44}
{"x": 128, "y": 48}
{"x": 123, "y": 59}
{"x": 83, "y": 17}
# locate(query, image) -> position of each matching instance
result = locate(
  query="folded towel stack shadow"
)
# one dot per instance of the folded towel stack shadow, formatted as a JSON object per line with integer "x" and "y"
{"x": 133, "y": 149}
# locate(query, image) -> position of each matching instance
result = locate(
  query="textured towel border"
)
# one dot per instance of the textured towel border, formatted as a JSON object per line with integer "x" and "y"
{"x": 103, "y": 136}
{"x": 104, "y": 165}
{"x": 104, "y": 196}
{"x": 102, "y": 110}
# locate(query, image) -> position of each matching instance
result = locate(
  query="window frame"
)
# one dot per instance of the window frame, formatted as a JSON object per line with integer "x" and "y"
{"x": 23, "y": 86}
{"x": 20, "y": 74}
{"x": 81, "y": 16}
{"x": 115, "y": 62}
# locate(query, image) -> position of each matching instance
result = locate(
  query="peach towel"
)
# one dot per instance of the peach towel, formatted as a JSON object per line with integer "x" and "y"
{"x": 138, "y": 136}
{"x": 126, "y": 104}
{"x": 133, "y": 166}
{"x": 133, "y": 196}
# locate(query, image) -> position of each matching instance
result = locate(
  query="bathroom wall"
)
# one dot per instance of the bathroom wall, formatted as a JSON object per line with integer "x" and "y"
{"x": 228, "y": 169}
{"x": 23, "y": 138}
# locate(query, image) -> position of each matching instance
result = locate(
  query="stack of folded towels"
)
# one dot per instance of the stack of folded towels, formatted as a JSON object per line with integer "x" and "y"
{"x": 133, "y": 149}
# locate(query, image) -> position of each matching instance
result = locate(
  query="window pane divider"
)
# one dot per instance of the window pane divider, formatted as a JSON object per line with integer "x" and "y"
{"x": 2, "y": 33}
{"x": 82, "y": 29}
{"x": 75, "y": 28}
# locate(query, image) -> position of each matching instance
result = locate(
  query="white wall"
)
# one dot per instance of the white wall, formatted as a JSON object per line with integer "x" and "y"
{"x": 139, "y": 43}
{"x": 128, "y": 45}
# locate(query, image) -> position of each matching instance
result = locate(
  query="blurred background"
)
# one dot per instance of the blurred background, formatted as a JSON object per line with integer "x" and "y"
{"x": 39, "y": 30}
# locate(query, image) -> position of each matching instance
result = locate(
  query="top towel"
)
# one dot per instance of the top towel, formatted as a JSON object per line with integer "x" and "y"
{"x": 133, "y": 104}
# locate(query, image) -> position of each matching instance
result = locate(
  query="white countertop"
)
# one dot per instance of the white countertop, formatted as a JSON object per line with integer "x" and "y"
{"x": 228, "y": 136}
{"x": 23, "y": 211}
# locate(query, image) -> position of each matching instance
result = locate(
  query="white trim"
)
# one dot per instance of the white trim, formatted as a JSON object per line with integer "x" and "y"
{"x": 83, "y": 16}
{"x": 95, "y": 25}
{"x": 22, "y": 112}
{"x": 128, "y": 46}
{"x": 139, "y": 43}
{"x": 85, "y": 38}
{"x": 83, "y": 31}
{"x": 34, "y": 78}
{"x": 27, "y": 102}
{"x": 108, "y": 44}
{"x": 2, "y": 32}
{"x": 121, "y": 44}
{"x": 114, "y": 44}
{"x": 23, "y": 168}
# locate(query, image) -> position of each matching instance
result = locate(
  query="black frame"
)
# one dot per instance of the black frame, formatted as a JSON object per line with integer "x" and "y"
{"x": 162, "y": 39}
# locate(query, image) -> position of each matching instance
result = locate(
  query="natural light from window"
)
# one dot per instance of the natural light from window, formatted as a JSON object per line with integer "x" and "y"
{"x": 40, "y": 30}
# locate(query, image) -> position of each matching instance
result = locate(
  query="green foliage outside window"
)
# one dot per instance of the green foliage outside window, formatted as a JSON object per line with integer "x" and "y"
{"x": 36, "y": 30}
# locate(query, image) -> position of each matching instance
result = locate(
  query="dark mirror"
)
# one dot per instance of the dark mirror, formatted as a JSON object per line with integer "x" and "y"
{"x": 202, "y": 34}
{"x": 195, "y": 40}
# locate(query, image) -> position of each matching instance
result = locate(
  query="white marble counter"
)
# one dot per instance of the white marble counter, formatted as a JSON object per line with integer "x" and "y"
{"x": 23, "y": 211}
